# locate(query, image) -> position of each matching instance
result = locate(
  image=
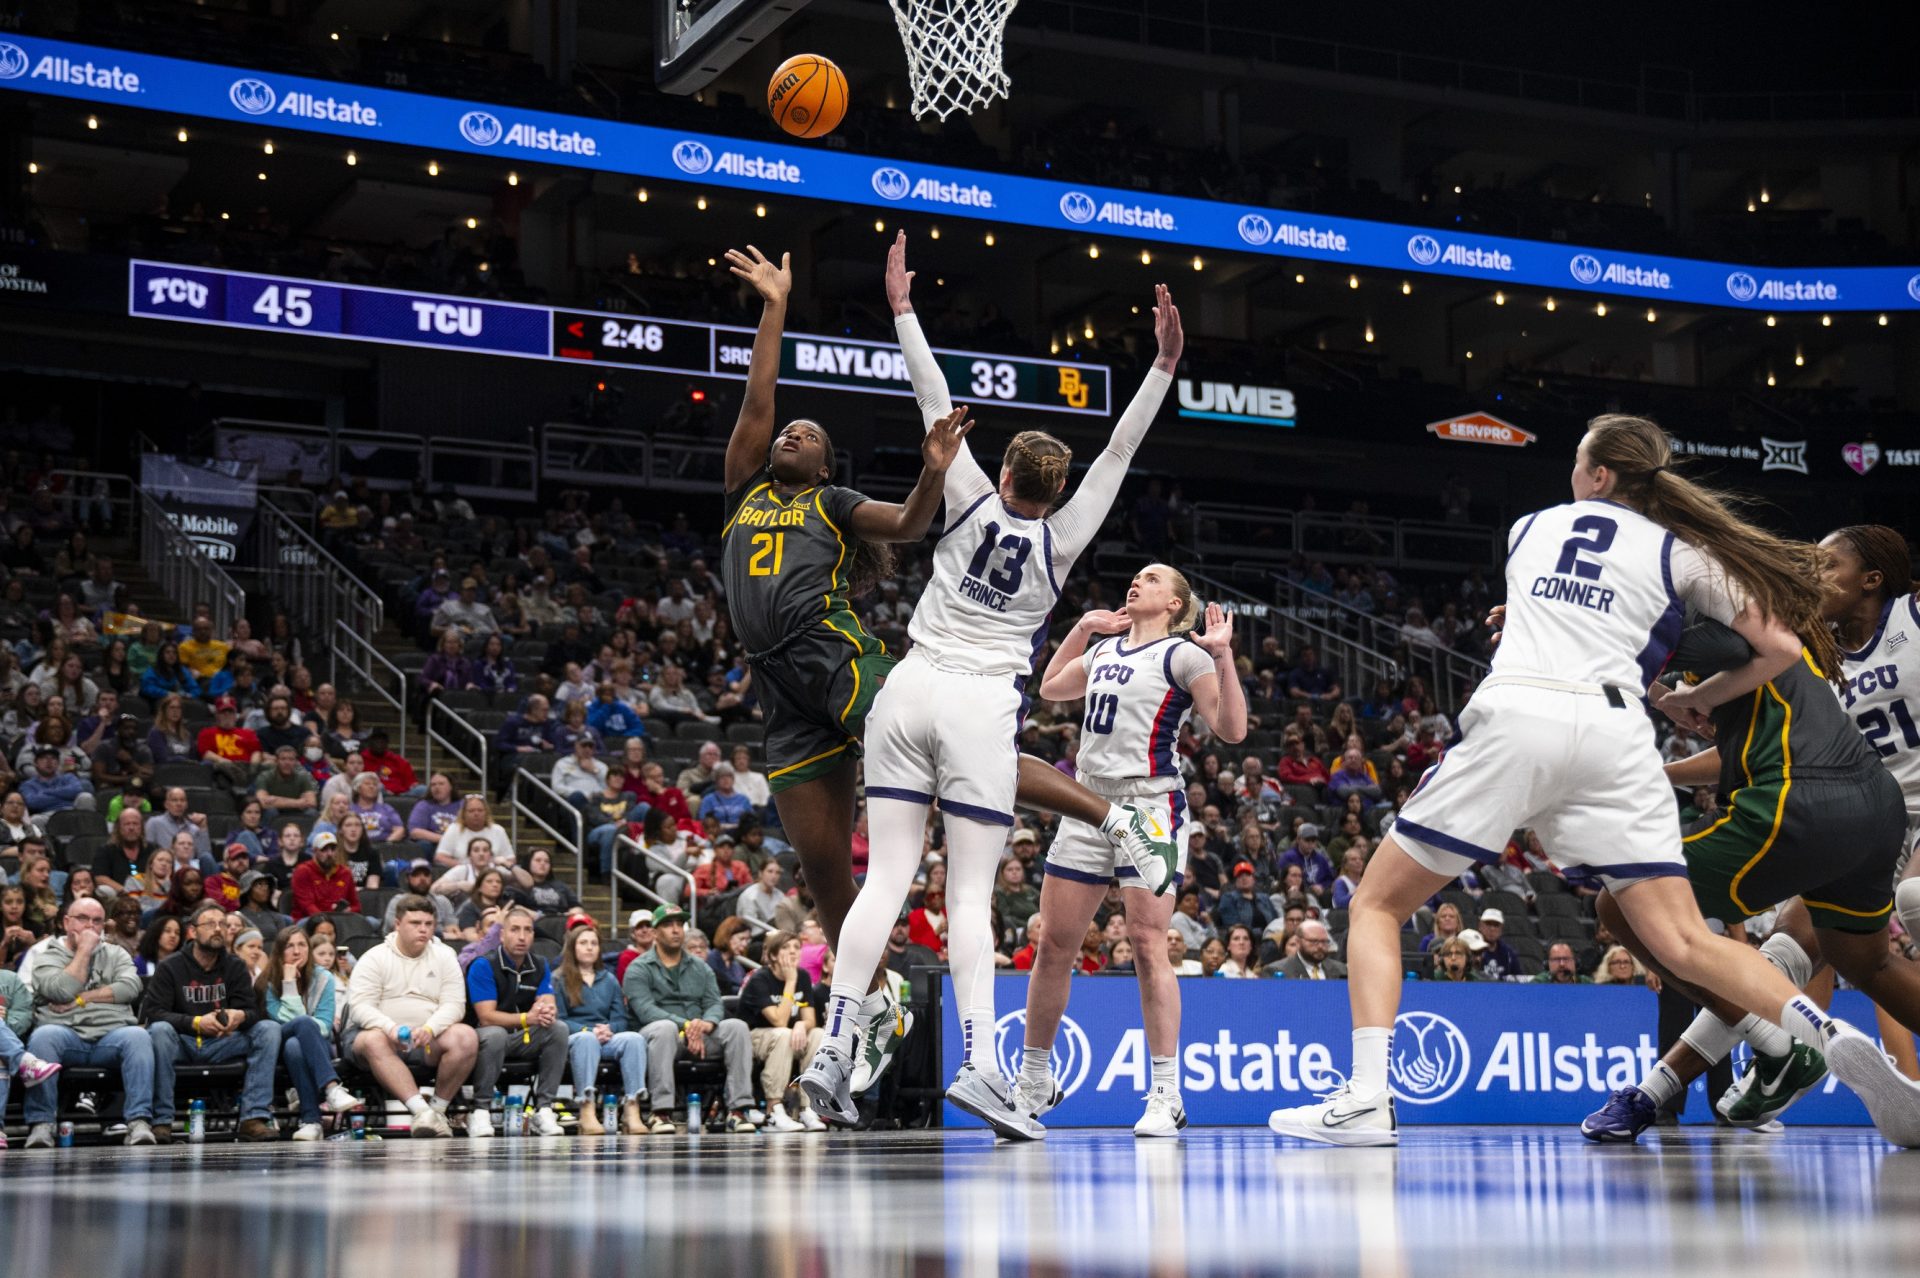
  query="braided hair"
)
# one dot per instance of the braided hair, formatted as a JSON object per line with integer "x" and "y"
{"x": 1036, "y": 466}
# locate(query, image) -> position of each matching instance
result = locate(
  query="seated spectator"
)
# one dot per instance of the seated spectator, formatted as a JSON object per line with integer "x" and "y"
{"x": 17, "y": 934}
{"x": 1446, "y": 925}
{"x": 1561, "y": 968}
{"x": 511, "y": 993}
{"x": 49, "y": 789}
{"x": 461, "y": 881}
{"x": 484, "y": 906}
{"x": 1184, "y": 966}
{"x": 438, "y": 590}
{"x": 1353, "y": 775}
{"x": 16, "y": 1018}
{"x": 233, "y": 752}
{"x": 1353, "y": 866}
{"x": 412, "y": 982}
{"x": 358, "y": 853}
{"x": 464, "y": 614}
{"x": 289, "y": 850}
{"x": 395, "y": 773}
{"x": 306, "y": 1001}
{"x": 16, "y": 824}
{"x": 42, "y": 913}
{"x": 777, "y": 1002}
{"x": 419, "y": 882}
{"x": 223, "y": 889}
{"x": 285, "y": 786}
{"x": 69, "y": 682}
{"x": 1297, "y": 767}
{"x": 607, "y": 817}
{"x": 256, "y": 904}
{"x": 671, "y": 701}
{"x": 530, "y": 731}
{"x": 123, "y": 760}
{"x": 611, "y": 717}
{"x": 1240, "y": 962}
{"x": 639, "y": 941}
{"x": 753, "y": 784}
{"x": 323, "y": 884}
{"x": 448, "y": 669}
{"x": 728, "y": 954}
{"x": 1426, "y": 750}
{"x": 281, "y": 728}
{"x": 200, "y": 1007}
{"x": 171, "y": 740}
{"x": 203, "y": 653}
{"x": 1453, "y": 962}
{"x": 162, "y": 937}
{"x": 1023, "y": 958}
{"x": 543, "y": 893}
{"x": 670, "y": 799}
{"x": 1620, "y": 967}
{"x": 759, "y": 902}
{"x": 723, "y": 802}
{"x": 1315, "y": 866}
{"x": 580, "y": 776}
{"x": 1243, "y": 905}
{"x": 86, "y": 999}
{"x": 1309, "y": 681}
{"x": 675, "y": 1000}
{"x": 1189, "y": 918}
{"x": 433, "y": 815}
{"x": 595, "y": 1013}
{"x": 383, "y": 824}
{"x": 493, "y": 671}
{"x": 475, "y": 822}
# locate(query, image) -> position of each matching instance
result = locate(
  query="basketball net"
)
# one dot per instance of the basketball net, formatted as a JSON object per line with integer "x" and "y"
{"x": 954, "y": 52}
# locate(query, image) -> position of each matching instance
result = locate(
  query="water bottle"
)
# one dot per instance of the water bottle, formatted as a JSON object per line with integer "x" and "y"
{"x": 693, "y": 1113}
{"x": 512, "y": 1127}
{"x": 197, "y": 1122}
{"x": 406, "y": 1038}
{"x": 498, "y": 1109}
{"x": 610, "y": 1115}
{"x": 358, "y": 1123}
{"x": 66, "y": 1135}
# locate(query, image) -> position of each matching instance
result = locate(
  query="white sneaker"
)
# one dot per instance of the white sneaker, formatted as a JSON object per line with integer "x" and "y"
{"x": 308, "y": 1132}
{"x": 479, "y": 1125}
{"x": 779, "y": 1121}
{"x": 431, "y": 1125}
{"x": 1166, "y": 1114}
{"x": 812, "y": 1122}
{"x": 545, "y": 1122}
{"x": 990, "y": 1100}
{"x": 1037, "y": 1098}
{"x": 1892, "y": 1099}
{"x": 1343, "y": 1117}
{"x": 1148, "y": 848}
{"x": 339, "y": 1100}
{"x": 756, "y": 1116}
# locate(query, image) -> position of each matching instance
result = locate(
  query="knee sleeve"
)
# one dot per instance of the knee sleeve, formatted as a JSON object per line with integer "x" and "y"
{"x": 1906, "y": 903}
{"x": 1785, "y": 953}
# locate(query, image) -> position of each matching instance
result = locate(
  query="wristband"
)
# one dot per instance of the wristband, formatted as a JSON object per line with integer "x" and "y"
{"x": 79, "y": 1000}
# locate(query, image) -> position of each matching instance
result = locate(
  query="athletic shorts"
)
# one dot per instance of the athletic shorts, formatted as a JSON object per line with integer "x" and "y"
{"x": 1082, "y": 854}
{"x": 939, "y": 734}
{"x": 1832, "y": 840}
{"x": 814, "y": 700}
{"x": 1577, "y": 765}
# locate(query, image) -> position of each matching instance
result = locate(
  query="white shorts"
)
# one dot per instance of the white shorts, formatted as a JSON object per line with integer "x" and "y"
{"x": 939, "y": 734}
{"x": 1082, "y": 854}
{"x": 1569, "y": 764}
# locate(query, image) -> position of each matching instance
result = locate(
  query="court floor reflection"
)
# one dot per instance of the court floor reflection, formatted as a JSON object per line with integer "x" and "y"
{"x": 1480, "y": 1202}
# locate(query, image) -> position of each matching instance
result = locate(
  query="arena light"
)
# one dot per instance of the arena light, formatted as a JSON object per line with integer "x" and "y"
{"x": 93, "y": 122}
{"x": 1199, "y": 263}
{"x": 1369, "y": 333}
{"x": 1826, "y": 321}
{"x": 879, "y": 226}
{"x": 1093, "y": 251}
{"x": 224, "y": 215}
{"x": 333, "y": 35}
{"x": 1765, "y": 197}
{"x": 1651, "y": 316}
{"x": 1146, "y": 257}
{"x": 1552, "y": 305}
{"x": 989, "y": 239}
{"x": 1469, "y": 354}
{"x": 1799, "y": 358}
{"x": 1601, "y": 310}
{"x": 1772, "y": 320}
{"x": 262, "y": 176}
{"x": 1053, "y": 347}
{"x": 1499, "y": 298}
{"x": 32, "y": 167}
{"x": 1353, "y": 281}
{"x": 759, "y": 210}
{"x": 1299, "y": 277}
{"x": 1770, "y": 380}
{"x": 1087, "y": 331}
{"x": 1752, "y": 207}
{"x": 513, "y": 179}
{"x": 181, "y": 135}
{"x": 933, "y": 233}
{"x": 433, "y": 168}
{"x": 701, "y": 204}
{"x": 352, "y": 159}
{"x": 473, "y": 224}
{"x": 641, "y": 195}
{"x": 1883, "y": 319}
{"x": 268, "y": 148}
{"x": 1406, "y": 288}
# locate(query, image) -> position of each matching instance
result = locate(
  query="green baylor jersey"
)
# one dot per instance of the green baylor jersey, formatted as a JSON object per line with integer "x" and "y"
{"x": 785, "y": 565}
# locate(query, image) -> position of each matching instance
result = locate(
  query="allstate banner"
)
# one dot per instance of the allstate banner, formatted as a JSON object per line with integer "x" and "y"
{"x": 1492, "y": 1053}
{"x": 212, "y": 502}
{"x": 446, "y": 125}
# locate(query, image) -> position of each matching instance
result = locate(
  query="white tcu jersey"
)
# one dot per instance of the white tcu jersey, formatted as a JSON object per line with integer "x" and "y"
{"x": 986, "y": 605}
{"x": 1597, "y": 592}
{"x": 1883, "y": 693}
{"x": 1137, "y": 699}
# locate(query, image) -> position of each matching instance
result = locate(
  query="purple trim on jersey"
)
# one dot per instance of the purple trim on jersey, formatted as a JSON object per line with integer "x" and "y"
{"x": 1166, "y": 724}
{"x": 1886, "y": 615}
{"x": 1524, "y": 530}
{"x": 894, "y": 792}
{"x": 1072, "y": 875}
{"x": 1046, "y": 546}
{"x": 1176, "y": 811}
{"x": 1913, "y": 606}
{"x": 1666, "y": 631}
{"x": 1446, "y": 842}
{"x": 1585, "y": 874}
{"x": 974, "y": 812}
{"x": 963, "y": 516}
{"x": 1120, "y": 645}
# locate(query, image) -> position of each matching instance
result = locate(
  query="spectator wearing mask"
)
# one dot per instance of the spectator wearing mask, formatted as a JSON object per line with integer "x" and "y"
{"x": 412, "y": 980}
{"x": 87, "y": 996}
{"x": 511, "y": 993}
{"x": 595, "y": 1014}
{"x": 200, "y": 1007}
{"x": 305, "y": 1002}
{"x": 675, "y": 999}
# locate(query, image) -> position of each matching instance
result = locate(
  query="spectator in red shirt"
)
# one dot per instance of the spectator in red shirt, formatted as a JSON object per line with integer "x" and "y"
{"x": 395, "y": 773}
{"x": 1425, "y": 751}
{"x": 223, "y": 889}
{"x": 322, "y": 885}
{"x": 231, "y": 750}
{"x": 927, "y": 925}
{"x": 640, "y": 940}
{"x": 723, "y": 874}
{"x": 1297, "y": 767}
{"x": 656, "y": 793}
{"x": 1023, "y": 957}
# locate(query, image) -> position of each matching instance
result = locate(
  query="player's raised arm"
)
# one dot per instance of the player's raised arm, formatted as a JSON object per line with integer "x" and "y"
{"x": 1075, "y": 524}
{"x": 1220, "y": 698}
{"x": 753, "y": 430}
{"x": 965, "y": 481}
{"x": 910, "y": 519}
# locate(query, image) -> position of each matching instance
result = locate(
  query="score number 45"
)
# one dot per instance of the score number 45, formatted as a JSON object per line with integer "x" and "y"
{"x": 285, "y": 304}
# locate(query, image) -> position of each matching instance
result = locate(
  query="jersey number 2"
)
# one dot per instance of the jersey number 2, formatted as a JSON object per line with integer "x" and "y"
{"x": 1005, "y": 578}
{"x": 767, "y": 547}
{"x": 1599, "y": 532}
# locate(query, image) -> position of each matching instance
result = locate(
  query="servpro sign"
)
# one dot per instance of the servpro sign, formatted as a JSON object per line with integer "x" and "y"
{"x": 1482, "y": 428}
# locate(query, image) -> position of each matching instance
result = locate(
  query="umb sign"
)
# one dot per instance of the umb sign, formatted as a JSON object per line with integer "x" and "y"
{"x": 1234, "y": 402}
{"x": 1482, "y": 428}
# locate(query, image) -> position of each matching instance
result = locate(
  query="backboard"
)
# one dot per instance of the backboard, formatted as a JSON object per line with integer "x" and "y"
{"x": 695, "y": 40}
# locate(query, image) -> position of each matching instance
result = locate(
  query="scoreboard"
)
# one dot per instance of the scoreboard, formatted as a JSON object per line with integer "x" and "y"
{"x": 234, "y": 299}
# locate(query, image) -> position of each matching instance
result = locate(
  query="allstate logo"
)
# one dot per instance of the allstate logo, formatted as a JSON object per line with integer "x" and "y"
{"x": 1072, "y": 1053}
{"x": 1742, "y": 286}
{"x": 13, "y": 61}
{"x": 891, "y": 184}
{"x": 1431, "y": 1058}
{"x": 1255, "y": 230}
{"x": 1585, "y": 268}
{"x": 1913, "y": 288}
{"x": 1424, "y": 249}
{"x": 255, "y": 97}
{"x": 692, "y": 157}
{"x": 482, "y": 128}
{"x": 1078, "y": 207}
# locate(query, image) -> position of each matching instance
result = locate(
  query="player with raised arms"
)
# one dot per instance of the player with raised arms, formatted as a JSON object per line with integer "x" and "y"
{"x": 1556, "y": 738}
{"x": 1143, "y": 670}
{"x": 945, "y": 726}
{"x": 797, "y": 549}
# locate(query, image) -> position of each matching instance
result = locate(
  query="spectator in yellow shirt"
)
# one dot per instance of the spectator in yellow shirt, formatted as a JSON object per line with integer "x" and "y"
{"x": 203, "y": 654}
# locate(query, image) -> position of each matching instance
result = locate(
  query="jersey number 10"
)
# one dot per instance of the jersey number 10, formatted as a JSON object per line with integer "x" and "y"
{"x": 1102, "y": 709}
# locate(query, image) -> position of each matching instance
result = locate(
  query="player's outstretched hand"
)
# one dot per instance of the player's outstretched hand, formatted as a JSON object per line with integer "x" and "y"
{"x": 944, "y": 442}
{"x": 1496, "y": 625}
{"x": 773, "y": 283}
{"x": 899, "y": 278}
{"x": 1216, "y": 635}
{"x": 1684, "y": 707}
{"x": 1167, "y": 330}
{"x": 1105, "y": 621}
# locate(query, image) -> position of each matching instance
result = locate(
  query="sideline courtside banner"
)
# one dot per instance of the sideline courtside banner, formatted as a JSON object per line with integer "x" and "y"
{"x": 1492, "y": 1053}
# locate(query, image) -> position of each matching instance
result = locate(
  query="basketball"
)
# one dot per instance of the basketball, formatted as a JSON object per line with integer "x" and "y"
{"x": 807, "y": 96}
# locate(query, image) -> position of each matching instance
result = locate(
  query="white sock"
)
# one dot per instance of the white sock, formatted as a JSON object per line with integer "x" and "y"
{"x": 416, "y": 1104}
{"x": 1165, "y": 1077}
{"x": 1370, "y": 1048}
{"x": 976, "y": 1025}
{"x": 1661, "y": 1084}
{"x": 1116, "y": 820}
{"x": 843, "y": 1022}
{"x": 1766, "y": 1038}
{"x": 1035, "y": 1065}
{"x": 974, "y": 849}
{"x": 1803, "y": 1019}
{"x": 895, "y": 828}
{"x": 440, "y": 1104}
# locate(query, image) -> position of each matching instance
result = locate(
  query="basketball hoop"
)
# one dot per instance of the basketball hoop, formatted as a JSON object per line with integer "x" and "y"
{"x": 954, "y": 52}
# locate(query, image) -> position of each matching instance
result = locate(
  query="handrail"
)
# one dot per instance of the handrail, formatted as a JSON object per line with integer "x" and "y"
{"x": 684, "y": 871}
{"x": 316, "y": 589}
{"x": 1452, "y": 670}
{"x": 1354, "y": 661}
{"x": 113, "y": 481}
{"x": 517, "y": 805}
{"x": 345, "y": 642}
{"x": 183, "y": 570}
{"x": 477, "y": 767}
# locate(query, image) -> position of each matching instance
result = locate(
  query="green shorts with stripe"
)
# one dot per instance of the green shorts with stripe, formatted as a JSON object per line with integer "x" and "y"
{"x": 1831, "y": 840}
{"x": 814, "y": 698}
